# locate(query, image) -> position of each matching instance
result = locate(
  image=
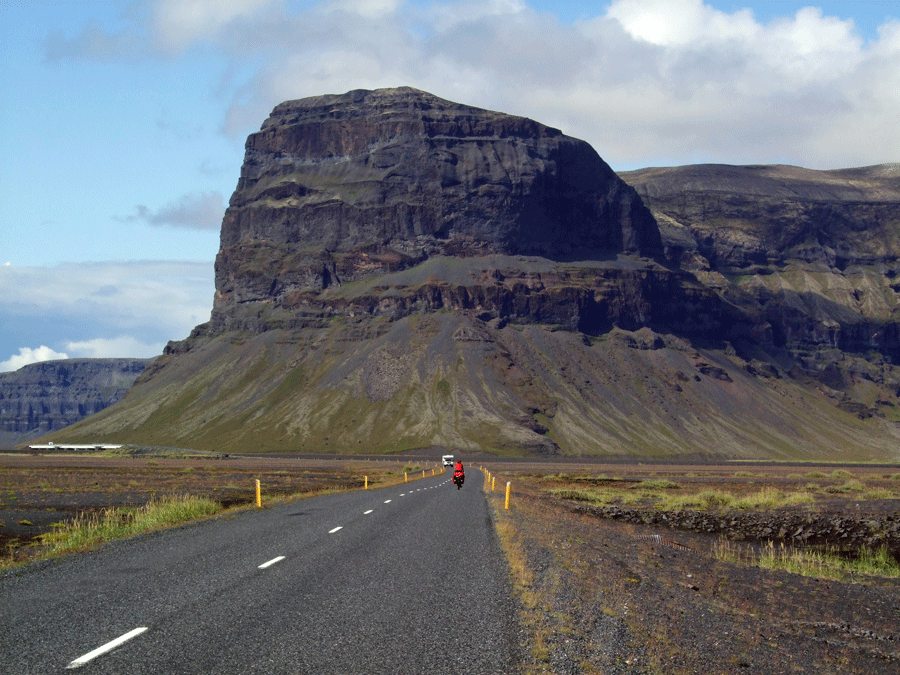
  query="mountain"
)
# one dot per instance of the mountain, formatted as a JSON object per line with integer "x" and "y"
{"x": 813, "y": 255}
{"x": 399, "y": 271}
{"x": 47, "y": 396}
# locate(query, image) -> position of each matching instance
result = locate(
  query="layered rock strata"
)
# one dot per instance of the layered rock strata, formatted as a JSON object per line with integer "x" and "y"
{"x": 44, "y": 397}
{"x": 813, "y": 255}
{"x": 338, "y": 188}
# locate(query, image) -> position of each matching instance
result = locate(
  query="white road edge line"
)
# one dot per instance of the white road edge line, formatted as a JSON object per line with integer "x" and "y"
{"x": 365, "y": 513}
{"x": 339, "y": 527}
{"x": 109, "y": 646}
{"x": 271, "y": 562}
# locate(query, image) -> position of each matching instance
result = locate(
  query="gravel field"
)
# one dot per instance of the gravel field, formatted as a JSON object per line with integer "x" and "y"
{"x": 613, "y": 596}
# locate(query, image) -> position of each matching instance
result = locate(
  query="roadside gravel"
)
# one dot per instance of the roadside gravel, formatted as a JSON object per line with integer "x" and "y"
{"x": 602, "y": 596}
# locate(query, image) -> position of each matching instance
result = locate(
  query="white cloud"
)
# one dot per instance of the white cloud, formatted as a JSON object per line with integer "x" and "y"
{"x": 644, "y": 81}
{"x": 445, "y": 16}
{"x": 99, "y": 348}
{"x": 97, "y": 309}
{"x": 682, "y": 22}
{"x": 27, "y": 356}
{"x": 178, "y": 23}
{"x": 371, "y": 9}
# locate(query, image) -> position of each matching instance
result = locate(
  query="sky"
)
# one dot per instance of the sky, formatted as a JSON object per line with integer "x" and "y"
{"x": 122, "y": 122}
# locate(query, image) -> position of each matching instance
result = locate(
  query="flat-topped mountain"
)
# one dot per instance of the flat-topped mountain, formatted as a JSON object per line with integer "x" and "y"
{"x": 397, "y": 271}
{"x": 335, "y": 188}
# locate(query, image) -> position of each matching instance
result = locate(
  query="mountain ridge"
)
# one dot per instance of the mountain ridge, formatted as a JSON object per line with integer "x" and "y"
{"x": 496, "y": 287}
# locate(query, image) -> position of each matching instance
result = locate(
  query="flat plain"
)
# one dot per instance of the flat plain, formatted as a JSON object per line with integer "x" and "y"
{"x": 618, "y": 566}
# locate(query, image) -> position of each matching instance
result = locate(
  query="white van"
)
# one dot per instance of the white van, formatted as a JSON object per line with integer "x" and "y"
{"x": 447, "y": 460}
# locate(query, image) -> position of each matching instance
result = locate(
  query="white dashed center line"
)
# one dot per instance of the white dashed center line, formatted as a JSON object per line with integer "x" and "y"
{"x": 387, "y": 501}
{"x": 109, "y": 646}
{"x": 365, "y": 513}
{"x": 339, "y": 527}
{"x": 271, "y": 562}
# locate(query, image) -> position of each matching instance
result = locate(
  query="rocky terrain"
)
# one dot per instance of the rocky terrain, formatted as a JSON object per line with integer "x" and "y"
{"x": 399, "y": 271}
{"x": 814, "y": 254}
{"x": 44, "y": 397}
{"x": 655, "y": 592}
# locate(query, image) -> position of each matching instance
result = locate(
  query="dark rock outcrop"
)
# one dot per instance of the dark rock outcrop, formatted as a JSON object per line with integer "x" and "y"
{"x": 813, "y": 256}
{"x": 852, "y": 531}
{"x": 335, "y": 188}
{"x": 751, "y": 219}
{"x": 44, "y": 397}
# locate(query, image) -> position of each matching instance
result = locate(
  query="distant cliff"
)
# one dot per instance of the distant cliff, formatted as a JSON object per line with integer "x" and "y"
{"x": 814, "y": 256}
{"x": 47, "y": 396}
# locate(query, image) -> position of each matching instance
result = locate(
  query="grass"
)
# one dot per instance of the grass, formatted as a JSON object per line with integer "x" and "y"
{"x": 659, "y": 493}
{"x": 92, "y": 529}
{"x": 850, "y": 486}
{"x": 536, "y": 600}
{"x": 88, "y": 531}
{"x": 657, "y": 484}
{"x": 829, "y": 563}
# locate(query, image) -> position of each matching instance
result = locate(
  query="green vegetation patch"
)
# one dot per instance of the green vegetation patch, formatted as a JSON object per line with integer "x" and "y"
{"x": 660, "y": 494}
{"x": 827, "y": 563}
{"x": 90, "y": 530}
{"x": 657, "y": 484}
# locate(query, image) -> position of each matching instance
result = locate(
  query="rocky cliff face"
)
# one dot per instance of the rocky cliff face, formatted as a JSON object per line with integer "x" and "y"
{"x": 812, "y": 255}
{"x": 335, "y": 188}
{"x": 755, "y": 219}
{"x": 397, "y": 271}
{"x": 44, "y": 397}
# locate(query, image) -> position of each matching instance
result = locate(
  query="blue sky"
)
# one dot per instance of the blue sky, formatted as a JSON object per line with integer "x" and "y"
{"x": 122, "y": 123}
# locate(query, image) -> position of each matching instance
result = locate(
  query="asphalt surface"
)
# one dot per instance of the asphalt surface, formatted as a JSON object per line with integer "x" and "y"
{"x": 408, "y": 579}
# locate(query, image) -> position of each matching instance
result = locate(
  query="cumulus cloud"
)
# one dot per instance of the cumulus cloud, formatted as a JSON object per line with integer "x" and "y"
{"x": 682, "y": 22}
{"x": 197, "y": 210}
{"x": 371, "y": 9}
{"x": 179, "y": 23}
{"x": 27, "y": 356}
{"x": 644, "y": 81}
{"x": 116, "y": 309}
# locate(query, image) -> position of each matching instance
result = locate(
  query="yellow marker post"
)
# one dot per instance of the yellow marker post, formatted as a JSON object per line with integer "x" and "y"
{"x": 507, "y": 494}
{"x": 258, "y": 494}
{"x": 366, "y": 484}
{"x": 493, "y": 481}
{"x": 405, "y": 477}
{"x": 423, "y": 473}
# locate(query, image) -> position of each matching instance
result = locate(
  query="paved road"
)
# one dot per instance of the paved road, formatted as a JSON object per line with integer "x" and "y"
{"x": 397, "y": 580}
